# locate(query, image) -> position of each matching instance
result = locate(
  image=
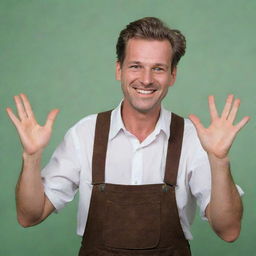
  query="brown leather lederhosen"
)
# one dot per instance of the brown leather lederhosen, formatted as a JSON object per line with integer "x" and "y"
{"x": 129, "y": 220}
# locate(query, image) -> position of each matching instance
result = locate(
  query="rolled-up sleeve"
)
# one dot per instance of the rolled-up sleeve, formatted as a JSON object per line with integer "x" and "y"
{"x": 61, "y": 175}
{"x": 200, "y": 182}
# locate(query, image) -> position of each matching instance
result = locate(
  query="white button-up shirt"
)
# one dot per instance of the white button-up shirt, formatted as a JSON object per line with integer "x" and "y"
{"x": 128, "y": 162}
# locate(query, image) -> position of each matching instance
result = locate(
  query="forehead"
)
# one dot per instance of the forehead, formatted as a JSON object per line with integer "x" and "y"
{"x": 149, "y": 51}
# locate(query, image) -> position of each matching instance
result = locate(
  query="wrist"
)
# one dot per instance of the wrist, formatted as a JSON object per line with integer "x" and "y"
{"x": 213, "y": 156}
{"x": 34, "y": 156}
{"x": 218, "y": 160}
{"x": 31, "y": 162}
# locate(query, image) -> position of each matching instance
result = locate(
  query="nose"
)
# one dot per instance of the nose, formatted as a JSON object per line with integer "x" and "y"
{"x": 146, "y": 77}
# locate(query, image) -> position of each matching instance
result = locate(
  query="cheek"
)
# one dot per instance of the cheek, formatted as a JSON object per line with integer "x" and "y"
{"x": 164, "y": 80}
{"x": 168, "y": 81}
{"x": 129, "y": 77}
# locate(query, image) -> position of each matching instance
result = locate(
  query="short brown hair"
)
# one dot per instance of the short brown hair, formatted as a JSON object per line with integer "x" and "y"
{"x": 151, "y": 28}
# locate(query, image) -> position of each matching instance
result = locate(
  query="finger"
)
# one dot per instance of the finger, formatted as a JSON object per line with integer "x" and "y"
{"x": 227, "y": 106}
{"x": 234, "y": 109}
{"x": 51, "y": 118}
{"x": 242, "y": 123}
{"x": 27, "y": 105}
{"x": 20, "y": 108}
{"x": 13, "y": 118}
{"x": 196, "y": 121}
{"x": 212, "y": 108}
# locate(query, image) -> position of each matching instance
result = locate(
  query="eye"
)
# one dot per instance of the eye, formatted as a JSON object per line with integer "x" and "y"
{"x": 135, "y": 66}
{"x": 158, "y": 69}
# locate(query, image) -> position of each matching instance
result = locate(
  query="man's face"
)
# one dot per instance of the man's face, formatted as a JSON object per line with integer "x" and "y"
{"x": 145, "y": 74}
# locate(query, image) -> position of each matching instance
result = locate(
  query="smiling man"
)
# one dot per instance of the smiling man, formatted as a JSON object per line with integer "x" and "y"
{"x": 140, "y": 169}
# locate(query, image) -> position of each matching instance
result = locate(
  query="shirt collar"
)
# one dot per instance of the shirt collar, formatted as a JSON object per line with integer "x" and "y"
{"x": 163, "y": 123}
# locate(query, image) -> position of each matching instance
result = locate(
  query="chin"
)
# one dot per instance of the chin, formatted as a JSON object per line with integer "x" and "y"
{"x": 146, "y": 109}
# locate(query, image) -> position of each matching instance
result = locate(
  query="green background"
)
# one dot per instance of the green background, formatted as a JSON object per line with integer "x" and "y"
{"x": 62, "y": 55}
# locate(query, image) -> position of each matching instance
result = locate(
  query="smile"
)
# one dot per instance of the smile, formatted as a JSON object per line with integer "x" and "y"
{"x": 146, "y": 92}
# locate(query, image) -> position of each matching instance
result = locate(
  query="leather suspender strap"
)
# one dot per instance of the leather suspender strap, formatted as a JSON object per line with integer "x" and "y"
{"x": 100, "y": 147}
{"x": 174, "y": 150}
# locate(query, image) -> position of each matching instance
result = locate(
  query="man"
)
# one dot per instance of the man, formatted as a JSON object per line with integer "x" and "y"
{"x": 133, "y": 164}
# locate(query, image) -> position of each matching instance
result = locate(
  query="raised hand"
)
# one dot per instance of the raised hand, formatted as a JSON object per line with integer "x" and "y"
{"x": 33, "y": 136}
{"x": 218, "y": 137}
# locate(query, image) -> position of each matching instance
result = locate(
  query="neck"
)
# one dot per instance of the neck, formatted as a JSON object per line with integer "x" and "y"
{"x": 140, "y": 124}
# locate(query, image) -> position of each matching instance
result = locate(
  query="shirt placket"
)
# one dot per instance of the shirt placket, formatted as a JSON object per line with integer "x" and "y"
{"x": 137, "y": 163}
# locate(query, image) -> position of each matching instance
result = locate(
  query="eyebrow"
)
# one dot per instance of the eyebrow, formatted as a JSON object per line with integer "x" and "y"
{"x": 134, "y": 62}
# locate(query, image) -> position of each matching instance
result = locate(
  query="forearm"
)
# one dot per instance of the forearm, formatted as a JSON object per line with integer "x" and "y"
{"x": 30, "y": 196}
{"x": 225, "y": 208}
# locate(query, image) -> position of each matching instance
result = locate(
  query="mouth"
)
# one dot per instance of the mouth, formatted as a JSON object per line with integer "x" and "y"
{"x": 145, "y": 92}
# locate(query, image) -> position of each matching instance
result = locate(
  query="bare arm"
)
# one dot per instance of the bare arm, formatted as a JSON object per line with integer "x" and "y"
{"x": 224, "y": 211}
{"x": 32, "y": 204}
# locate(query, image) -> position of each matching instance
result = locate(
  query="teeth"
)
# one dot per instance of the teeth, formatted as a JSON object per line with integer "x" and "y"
{"x": 144, "y": 92}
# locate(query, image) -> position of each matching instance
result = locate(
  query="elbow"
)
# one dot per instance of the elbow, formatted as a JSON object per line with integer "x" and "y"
{"x": 26, "y": 223}
{"x": 230, "y": 236}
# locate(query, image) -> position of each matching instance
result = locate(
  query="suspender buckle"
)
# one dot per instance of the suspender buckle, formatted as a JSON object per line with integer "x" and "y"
{"x": 166, "y": 187}
{"x": 102, "y": 187}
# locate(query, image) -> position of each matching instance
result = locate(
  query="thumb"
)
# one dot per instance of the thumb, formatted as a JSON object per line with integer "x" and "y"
{"x": 51, "y": 118}
{"x": 242, "y": 123}
{"x": 196, "y": 121}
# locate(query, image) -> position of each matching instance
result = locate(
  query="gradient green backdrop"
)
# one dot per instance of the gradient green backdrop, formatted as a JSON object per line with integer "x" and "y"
{"x": 62, "y": 54}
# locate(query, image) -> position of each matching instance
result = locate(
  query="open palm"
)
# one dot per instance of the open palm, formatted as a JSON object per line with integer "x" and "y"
{"x": 33, "y": 136}
{"x": 219, "y": 136}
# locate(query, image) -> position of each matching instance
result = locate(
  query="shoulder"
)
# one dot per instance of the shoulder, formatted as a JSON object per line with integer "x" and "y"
{"x": 190, "y": 137}
{"x": 190, "y": 133}
{"x": 189, "y": 128}
{"x": 83, "y": 130}
{"x": 191, "y": 143}
{"x": 85, "y": 124}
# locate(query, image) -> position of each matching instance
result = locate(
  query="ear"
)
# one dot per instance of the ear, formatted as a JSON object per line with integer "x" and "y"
{"x": 173, "y": 77}
{"x": 118, "y": 71}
